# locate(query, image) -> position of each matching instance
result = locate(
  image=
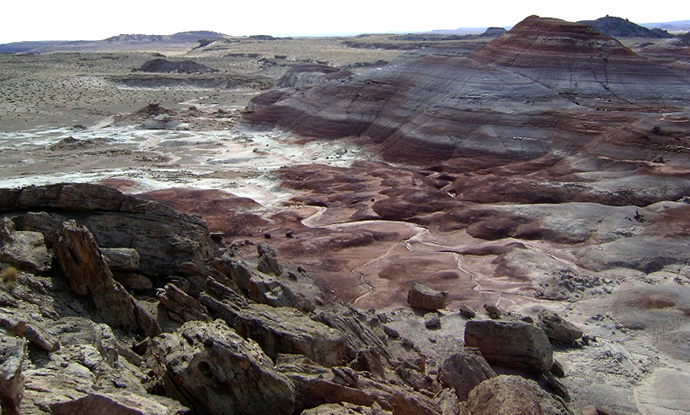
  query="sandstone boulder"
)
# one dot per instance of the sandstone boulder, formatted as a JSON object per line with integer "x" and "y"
{"x": 510, "y": 395}
{"x": 282, "y": 330}
{"x": 118, "y": 404}
{"x": 557, "y": 328}
{"x": 12, "y": 355}
{"x": 425, "y": 298}
{"x": 82, "y": 263}
{"x": 511, "y": 344}
{"x": 25, "y": 249}
{"x": 212, "y": 370}
{"x": 464, "y": 371}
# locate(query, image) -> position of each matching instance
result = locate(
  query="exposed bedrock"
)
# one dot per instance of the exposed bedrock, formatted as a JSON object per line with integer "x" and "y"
{"x": 164, "y": 238}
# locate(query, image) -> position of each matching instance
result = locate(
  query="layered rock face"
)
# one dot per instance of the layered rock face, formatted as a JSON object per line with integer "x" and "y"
{"x": 432, "y": 106}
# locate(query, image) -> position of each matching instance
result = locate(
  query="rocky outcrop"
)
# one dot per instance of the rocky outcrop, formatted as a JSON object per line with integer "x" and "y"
{"x": 121, "y": 259}
{"x": 282, "y": 330}
{"x": 268, "y": 260}
{"x": 212, "y": 370}
{"x": 318, "y": 386}
{"x": 163, "y": 237}
{"x": 23, "y": 248}
{"x": 256, "y": 285}
{"x": 508, "y": 395}
{"x": 511, "y": 344}
{"x": 82, "y": 263}
{"x": 12, "y": 356}
{"x": 425, "y": 298}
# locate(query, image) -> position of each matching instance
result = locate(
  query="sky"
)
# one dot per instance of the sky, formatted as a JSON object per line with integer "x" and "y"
{"x": 92, "y": 20}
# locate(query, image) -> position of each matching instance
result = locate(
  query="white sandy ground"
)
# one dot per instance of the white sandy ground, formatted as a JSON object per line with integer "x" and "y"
{"x": 236, "y": 161}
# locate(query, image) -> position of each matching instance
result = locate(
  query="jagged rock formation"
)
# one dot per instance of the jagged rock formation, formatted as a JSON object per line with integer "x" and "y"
{"x": 82, "y": 263}
{"x": 210, "y": 340}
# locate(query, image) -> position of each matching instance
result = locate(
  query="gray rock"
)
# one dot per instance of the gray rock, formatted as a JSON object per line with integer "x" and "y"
{"x": 282, "y": 330}
{"x": 82, "y": 263}
{"x": 493, "y": 311}
{"x": 256, "y": 285}
{"x": 121, "y": 259}
{"x": 268, "y": 260}
{"x": 464, "y": 371}
{"x": 511, "y": 344}
{"x": 12, "y": 355}
{"x": 432, "y": 321}
{"x": 25, "y": 249}
{"x": 425, "y": 298}
{"x": 41, "y": 338}
{"x": 557, "y": 328}
{"x": 391, "y": 332}
{"x": 466, "y": 311}
{"x": 212, "y": 370}
{"x": 181, "y": 306}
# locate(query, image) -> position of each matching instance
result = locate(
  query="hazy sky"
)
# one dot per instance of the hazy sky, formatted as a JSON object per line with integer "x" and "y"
{"x": 91, "y": 20}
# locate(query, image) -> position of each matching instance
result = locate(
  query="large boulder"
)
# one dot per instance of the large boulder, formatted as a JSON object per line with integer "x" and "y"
{"x": 557, "y": 328}
{"x": 425, "y": 298}
{"x": 511, "y": 344}
{"x": 25, "y": 249}
{"x": 212, "y": 370}
{"x": 512, "y": 395}
{"x": 82, "y": 263}
{"x": 464, "y": 371}
{"x": 12, "y": 355}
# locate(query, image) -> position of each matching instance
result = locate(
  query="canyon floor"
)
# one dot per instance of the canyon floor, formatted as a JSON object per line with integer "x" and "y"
{"x": 365, "y": 227}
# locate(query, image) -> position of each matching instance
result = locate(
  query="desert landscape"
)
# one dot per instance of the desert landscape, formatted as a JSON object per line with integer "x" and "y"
{"x": 408, "y": 224}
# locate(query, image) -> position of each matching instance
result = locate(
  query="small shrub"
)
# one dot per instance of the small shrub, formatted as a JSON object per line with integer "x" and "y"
{"x": 9, "y": 277}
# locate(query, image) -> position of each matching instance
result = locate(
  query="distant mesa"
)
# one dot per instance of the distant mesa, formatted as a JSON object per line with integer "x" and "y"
{"x": 161, "y": 65}
{"x": 624, "y": 28}
{"x": 119, "y": 42}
